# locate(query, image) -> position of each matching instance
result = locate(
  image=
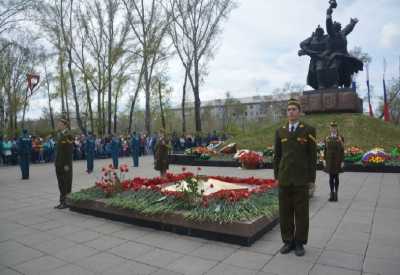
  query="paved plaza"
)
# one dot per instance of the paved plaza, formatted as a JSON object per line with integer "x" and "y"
{"x": 358, "y": 235}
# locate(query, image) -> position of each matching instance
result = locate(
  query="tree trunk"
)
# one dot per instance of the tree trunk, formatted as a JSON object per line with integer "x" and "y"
{"x": 61, "y": 64}
{"x": 161, "y": 106}
{"x": 89, "y": 102}
{"x": 67, "y": 105}
{"x": 103, "y": 107}
{"x": 109, "y": 109}
{"x": 184, "y": 102}
{"x": 197, "y": 103}
{"x": 73, "y": 86}
{"x": 115, "y": 111}
{"x": 24, "y": 111}
{"x": 147, "y": 115}
{"x": 49, "y": 99}
{"x": 134, "y": 100}
{"x": 99, "y": 127}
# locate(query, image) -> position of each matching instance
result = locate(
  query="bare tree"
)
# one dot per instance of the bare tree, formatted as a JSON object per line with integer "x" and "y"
{"x": 15, "y": 62}
{"x": 47, "y": 17}
{"x": 149, "y": 23}
{"x": 66, "y": 30}
{"x": 10, "y": 11}
{"x": 92, "y": 21}
{"x": 195, "y": 27}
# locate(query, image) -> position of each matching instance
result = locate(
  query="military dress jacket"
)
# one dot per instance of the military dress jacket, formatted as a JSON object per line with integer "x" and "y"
{"x": 334, "y": 155}
{"x": 295, "y": 156}
{"x": 161, "y": 160}
{"x": 64, "y": 149}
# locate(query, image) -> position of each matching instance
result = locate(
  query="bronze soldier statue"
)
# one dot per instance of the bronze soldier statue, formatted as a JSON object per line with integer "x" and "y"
{"x": 63, "y": 161}
{"x": 340, "y": 63}
{"x": 295, "y": 170}
{"x": 331, "y": 64}
{"x": 314, "y": 47}
{"x": 333, "y": 159}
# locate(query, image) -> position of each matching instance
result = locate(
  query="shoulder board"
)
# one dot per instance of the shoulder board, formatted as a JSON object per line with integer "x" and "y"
{"x": 312, "y": 137}
{"x": 301, "y": 125}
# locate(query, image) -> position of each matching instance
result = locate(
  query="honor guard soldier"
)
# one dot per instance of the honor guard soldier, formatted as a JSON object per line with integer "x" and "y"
{"x": 333, "y": 159}
{"x": 63, "y": 161}
{"x": 115, "y": 149}
{"x": 161, "y": 161}
{"x": 24, "y": 147}
{"x": 294, "y": 169}
{"x": 90, "y": 146}
{"x": 135, "y": 149}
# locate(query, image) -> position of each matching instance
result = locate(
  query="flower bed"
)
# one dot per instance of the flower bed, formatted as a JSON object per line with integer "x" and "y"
{"x": 193, "y": 200}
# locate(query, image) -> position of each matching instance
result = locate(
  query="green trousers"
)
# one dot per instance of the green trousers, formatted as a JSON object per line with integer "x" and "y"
{"x": 294, "y": 214}
{"x": 64, "y": 179}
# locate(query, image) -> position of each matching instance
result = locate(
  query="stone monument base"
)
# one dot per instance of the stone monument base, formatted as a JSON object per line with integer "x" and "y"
{"x": 331, "y": 100}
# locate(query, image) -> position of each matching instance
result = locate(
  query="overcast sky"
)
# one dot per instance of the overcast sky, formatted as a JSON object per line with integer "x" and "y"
{"x": 258, "y": 48}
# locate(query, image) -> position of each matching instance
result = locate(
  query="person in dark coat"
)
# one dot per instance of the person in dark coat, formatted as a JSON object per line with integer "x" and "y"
{"x": 334, "y": 157}
{"x": 161, "y": 161}
{"x": 63, "y": 161}
{"x": 295, "y": 161}
{"x": 24, "y": 147}
{"x": 115, "y": 149}
{"x": 90, "y": 147}
{"x": 135, "y": 149}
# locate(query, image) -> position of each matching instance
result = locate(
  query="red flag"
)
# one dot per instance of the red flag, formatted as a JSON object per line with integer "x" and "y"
{"x": 33, "y": 81}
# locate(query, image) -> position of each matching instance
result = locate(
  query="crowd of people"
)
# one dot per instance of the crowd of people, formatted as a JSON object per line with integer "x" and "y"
{"x": 43, "y": 148}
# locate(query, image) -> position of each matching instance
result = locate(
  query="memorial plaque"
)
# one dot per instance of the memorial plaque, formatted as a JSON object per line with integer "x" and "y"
{"x": 331, "y": 101}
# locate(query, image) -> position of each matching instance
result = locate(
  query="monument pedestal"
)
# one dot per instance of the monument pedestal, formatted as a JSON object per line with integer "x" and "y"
{"x": 331, "y": 100}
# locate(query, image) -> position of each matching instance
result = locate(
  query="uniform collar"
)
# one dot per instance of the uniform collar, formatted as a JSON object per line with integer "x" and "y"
{"x": 296, "y": 125}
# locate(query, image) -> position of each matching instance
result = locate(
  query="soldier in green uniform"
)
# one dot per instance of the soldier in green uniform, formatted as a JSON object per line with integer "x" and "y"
{"x": 161, "y": 161}
{"x": 334, "y": 157}
{"x": 63, "y": 161}
{"x": 295, "y": 169}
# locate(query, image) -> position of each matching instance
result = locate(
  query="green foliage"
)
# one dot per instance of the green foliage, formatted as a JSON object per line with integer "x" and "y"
{"x": 357, "y": 129}
{"x": 222, "y": 211}
{"x": 87, "y": 194}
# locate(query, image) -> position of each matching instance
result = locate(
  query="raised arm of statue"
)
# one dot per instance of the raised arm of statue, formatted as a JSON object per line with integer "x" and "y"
{"x": 350, "y": 27}
{"x": 305, "y": 44}
{"x": 329, "y": 22}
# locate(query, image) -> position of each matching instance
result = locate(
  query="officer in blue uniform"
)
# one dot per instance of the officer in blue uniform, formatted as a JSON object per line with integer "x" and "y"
{"x": 135, "y": 149}
{"x": 90, "y": 146}
{"x": 24, "y": 146}
{"x": 115, "y": 149}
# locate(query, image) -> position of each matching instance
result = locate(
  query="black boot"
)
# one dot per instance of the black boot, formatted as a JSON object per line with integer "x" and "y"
{"x": 299, "y": 250}
{"x": 332, "y": 197}
{"x": 335, "y": 198}
{"x": 287, "y": 247}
